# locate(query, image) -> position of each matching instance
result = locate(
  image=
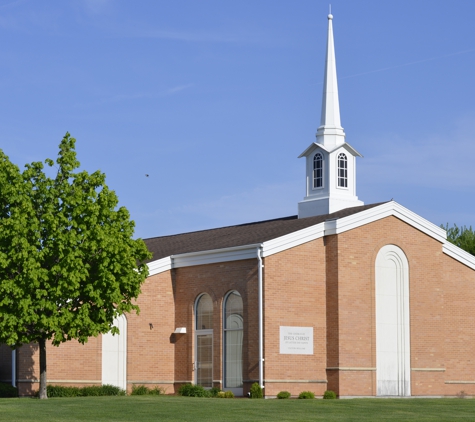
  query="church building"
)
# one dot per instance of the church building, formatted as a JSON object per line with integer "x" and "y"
{"x": 364, "y": 300}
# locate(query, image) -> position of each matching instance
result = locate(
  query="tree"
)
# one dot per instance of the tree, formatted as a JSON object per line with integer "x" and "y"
{"x": 68, "y": 262}
{"x": 462, "y": 237}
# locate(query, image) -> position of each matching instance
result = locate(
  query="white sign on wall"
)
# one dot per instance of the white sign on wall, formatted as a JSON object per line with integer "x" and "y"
{"x": 296, "y": 340}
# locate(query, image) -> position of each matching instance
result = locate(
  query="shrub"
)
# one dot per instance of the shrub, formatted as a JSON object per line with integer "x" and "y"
{"x": 225, "y": 395}
{"x": 139, "y": 390}
{"x": 91, "y": 391}
{"x": 156, "y": 391}
{"x": 214, "y": 391}
{"x": 192, "y": 390}
{"x": 329, "y": 394}
{"x": 60, "y": 391}
{"x": 95, "y": 390}
{"x": 256, "y": 391}
{"x": 306, "y": 395}
{"x": 111, "y": 390}
{"x": 7, "y": 390}
{"x": 142, "y": 390}
{"x": 283, "y": 395}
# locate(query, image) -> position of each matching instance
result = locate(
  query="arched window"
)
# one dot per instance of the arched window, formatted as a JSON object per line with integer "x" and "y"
{"x": 233, "y": 335}
{"x": 342, "y": 171}
{"x": 318, "y": 170}
{"x": 204, "y": 341}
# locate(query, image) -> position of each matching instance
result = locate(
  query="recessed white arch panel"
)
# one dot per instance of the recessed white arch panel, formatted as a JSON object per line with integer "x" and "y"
{"x": 393, "y": 372}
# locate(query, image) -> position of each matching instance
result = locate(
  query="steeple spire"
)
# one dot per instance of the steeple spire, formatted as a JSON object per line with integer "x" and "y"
{"x": 330, "y": 132}
{"x": 330, "y": 161}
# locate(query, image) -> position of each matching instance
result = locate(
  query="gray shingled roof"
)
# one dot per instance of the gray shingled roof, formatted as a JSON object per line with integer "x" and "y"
{"x": 242, "y": 234}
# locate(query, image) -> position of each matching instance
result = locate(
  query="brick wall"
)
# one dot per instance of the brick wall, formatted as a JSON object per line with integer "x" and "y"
{"x": 294, "y": 294}
{"x": 216, "y": 280}
{"x": 441, "y": 311}
{"x": 457, "y": 330}
{"x": 327, "y": 284}
{"x": 150, "y": 348}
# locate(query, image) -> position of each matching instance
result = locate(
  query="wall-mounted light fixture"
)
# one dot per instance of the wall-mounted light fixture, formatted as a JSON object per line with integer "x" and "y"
{"x": 151, "y": 325}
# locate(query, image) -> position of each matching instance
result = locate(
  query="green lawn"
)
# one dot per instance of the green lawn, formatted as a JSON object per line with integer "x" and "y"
{"x": 171, "y": 408}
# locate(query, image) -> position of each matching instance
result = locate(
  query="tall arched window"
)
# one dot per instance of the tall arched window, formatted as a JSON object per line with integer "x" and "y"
{"x": 204, "y": 341}
{"x": 318, "y": 170}
{"x": 342, "y": 171}
{"x": 233, "y": 335}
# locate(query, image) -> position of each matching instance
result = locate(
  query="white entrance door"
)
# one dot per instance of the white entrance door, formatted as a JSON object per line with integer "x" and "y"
{"x": 393, "y": 371}
{"x": 114, "y": 355}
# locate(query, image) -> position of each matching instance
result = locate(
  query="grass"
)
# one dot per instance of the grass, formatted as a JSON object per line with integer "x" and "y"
{"x": 172, "y": 408}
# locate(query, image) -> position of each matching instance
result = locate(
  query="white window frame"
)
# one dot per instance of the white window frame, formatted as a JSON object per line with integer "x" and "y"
{"x": 343, "y": 178}
{"x": 314, "y": 178}
{"x": 202, "y": 332}
{"x": 237, "y": 391}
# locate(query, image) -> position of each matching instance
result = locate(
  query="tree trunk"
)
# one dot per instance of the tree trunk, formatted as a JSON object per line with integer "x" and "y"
{"x": 43, "y": 393}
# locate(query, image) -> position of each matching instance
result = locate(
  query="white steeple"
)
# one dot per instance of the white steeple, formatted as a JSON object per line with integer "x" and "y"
{"x": 330, "y": 161}
{"x": 330, "y": 132}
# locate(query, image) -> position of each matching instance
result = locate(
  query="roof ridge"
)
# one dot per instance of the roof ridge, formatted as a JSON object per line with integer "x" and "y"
{"x": 290, "y": 217}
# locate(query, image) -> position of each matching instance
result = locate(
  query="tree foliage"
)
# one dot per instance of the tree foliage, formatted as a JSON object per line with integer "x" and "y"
{"x": 68, "y": 262}
{"x": 462, "y": 237}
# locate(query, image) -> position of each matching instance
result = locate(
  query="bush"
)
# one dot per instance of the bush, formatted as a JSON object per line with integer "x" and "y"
{"x": 225, "y": 395}
{"x": 112, "y": 390}
{"x": 7, "y": 390}
{"x": 256, "y": 391}
{"x": 306, "y": 395}
{"x": 214, "y": 391}
{"x": 60, "y": 391}
{"x": 142, "y": 390}
{"x": 91, "y": 391}
{"x": 139, "y": 390}
{"x": 95, "y": 390}
{"x": 156, "y": 391}
{"x": 192, "y": 390}
{"x": 283, "y": 395}
{"x": 329, "y": 394}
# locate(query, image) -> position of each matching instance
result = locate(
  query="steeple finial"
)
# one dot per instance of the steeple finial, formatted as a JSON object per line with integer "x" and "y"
{"x": 330, "y": 131}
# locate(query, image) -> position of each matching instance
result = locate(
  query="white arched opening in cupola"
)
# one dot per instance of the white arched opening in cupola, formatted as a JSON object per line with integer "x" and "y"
{"x": 114, "y": 355}
{"x": 393, "y": 350}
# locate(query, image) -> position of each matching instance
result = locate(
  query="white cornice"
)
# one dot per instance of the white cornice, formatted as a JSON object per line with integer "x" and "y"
{"x": 316, "y": 231}
{"x": 459, "y": 254}
{"x": 385, "y": 210}
{"x": 159, "y": 266}
{"x": 236, "y": 253}
{"x": 293, "y": 239}
{"x": 315, "y": 145}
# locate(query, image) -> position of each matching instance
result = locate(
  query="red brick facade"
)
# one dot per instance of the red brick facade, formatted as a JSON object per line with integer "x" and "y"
{"x": 328, "y": 284}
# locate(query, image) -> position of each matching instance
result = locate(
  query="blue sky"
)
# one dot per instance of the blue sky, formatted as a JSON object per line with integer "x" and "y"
{"x": 215, "y": 100}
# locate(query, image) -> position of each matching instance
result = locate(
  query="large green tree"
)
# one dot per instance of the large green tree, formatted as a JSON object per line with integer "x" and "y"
{"x": 462, "y": 237}
{"x": 68, "y": 261}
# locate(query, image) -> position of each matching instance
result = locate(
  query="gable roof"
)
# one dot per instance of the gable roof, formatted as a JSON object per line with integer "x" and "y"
{"x": 239, "y": 235}
{"x": 265, "y": 238}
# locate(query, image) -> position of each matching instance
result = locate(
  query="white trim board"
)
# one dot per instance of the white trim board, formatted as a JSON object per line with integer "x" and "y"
{"x": 308, "y": 234}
